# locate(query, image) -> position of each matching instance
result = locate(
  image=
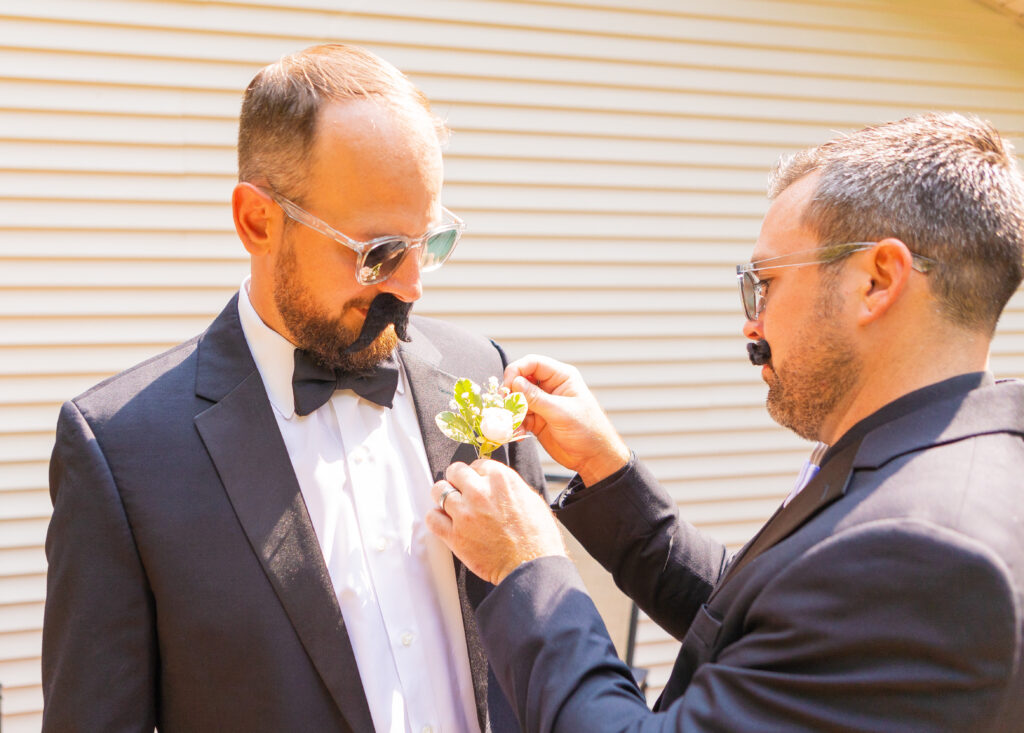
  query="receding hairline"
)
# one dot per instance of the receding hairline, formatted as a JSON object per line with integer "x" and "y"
{"x": 283, "y": 106}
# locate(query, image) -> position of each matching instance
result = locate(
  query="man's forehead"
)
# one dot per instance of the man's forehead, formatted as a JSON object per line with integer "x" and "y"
{"x": 783, "y": 230}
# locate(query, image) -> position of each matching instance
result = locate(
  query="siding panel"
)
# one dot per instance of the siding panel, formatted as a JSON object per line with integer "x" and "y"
{"x": 609, "y": 158}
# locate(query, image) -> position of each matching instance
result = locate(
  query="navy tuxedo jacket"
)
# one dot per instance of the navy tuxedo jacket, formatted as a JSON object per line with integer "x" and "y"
{"x": 186, "y": 588}
{"x": 887, "y": 596}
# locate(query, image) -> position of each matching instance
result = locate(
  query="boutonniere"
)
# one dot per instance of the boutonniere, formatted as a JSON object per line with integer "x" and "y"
{"x": 487, "y": 419}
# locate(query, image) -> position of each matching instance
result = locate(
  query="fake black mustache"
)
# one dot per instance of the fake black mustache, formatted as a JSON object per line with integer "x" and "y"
{"x": 759, "y": 352}
{"x": 385, "y": 310}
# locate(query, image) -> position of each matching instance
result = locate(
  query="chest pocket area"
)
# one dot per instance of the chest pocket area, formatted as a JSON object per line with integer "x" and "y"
{"x": 696, "y": 650}
{"x": 700, "y": 639}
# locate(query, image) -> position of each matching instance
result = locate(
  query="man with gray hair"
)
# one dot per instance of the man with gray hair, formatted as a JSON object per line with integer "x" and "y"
{"x": 887, "y": 591}
{"x": 237, "y": 540}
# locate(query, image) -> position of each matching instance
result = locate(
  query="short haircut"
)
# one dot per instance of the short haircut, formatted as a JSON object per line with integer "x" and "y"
{"x": 945, "y": 184}
{"x": 281, "y": 107}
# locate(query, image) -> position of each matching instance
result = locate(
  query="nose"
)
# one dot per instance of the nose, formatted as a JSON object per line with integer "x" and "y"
{"x": 753, "y": 330}
{"x": 405, "y": 283}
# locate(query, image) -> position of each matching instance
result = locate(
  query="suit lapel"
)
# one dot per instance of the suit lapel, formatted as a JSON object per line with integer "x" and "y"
{"x": 431, "y": 389}
{"x": 246, "y": 447}
{"x": 828, "y": 485}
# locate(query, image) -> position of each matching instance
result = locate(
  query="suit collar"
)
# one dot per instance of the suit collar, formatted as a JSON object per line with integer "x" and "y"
{"x": 223, "y": 359}
{"x": 273, "y": 353}
{"x": 957, "y": 408}
{"x": 910, "y": 404}
{"x": 956, "y": 413}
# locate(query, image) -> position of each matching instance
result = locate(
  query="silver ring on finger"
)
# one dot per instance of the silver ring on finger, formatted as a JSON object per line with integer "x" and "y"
{"x": 445, "y": 494}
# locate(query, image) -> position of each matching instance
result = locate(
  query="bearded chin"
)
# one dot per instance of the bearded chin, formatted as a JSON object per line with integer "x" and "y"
{"x": 333, "y": 346}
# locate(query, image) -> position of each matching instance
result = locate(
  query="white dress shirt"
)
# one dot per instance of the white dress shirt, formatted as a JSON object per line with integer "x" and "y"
{"x": 808, "y": 471}
{"x": 366, "y": 483}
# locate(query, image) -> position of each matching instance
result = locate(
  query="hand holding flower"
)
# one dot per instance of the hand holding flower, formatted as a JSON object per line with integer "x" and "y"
{"x": 566, "y": 418}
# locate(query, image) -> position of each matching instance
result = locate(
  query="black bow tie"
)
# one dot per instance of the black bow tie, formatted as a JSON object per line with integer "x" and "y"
{"x": 313, "y": 385}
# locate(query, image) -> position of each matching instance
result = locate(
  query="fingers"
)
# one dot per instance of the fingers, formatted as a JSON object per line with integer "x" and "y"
{"x": 534, "y": 395}
{"x": 480, "y": 480}
{"x": 464, "y": 477}
{"x": 541, "y": 404}
{"x": 441, "y": 524}
{"x": 460, "y": 479}
{"x": 437, "y": 489}
{"x": 496, "y": 523}
{"x": 549, "y": 374}
{"x": 446, "y": 495}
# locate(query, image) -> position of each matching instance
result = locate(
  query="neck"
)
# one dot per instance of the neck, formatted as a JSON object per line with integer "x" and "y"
{"x": 887, "y": 376}
{"x": 260, "y": 294}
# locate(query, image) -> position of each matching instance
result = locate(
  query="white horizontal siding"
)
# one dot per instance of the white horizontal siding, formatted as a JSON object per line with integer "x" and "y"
{"x": 608, "y": 156}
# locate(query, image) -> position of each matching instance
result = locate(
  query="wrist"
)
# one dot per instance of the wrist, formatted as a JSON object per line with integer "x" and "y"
{"x": 604, "y": 464}
{"x": 513, "y": 566}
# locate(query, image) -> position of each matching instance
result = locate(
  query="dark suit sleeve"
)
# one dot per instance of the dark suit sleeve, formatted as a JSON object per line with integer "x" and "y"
{"x": 891, "y": 621}
{"x": 99, "y": 647}
{"x": 631, "y": 525}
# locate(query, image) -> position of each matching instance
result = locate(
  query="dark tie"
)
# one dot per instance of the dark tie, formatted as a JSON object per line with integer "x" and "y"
{"x": 313, "y": 385}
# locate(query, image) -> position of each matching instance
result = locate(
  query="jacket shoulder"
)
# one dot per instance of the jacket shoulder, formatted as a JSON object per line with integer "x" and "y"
{"x": 157, "y": 376}
{"x": 164, "y": 380}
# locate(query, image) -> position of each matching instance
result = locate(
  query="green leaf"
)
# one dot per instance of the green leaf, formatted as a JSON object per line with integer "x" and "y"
{"x": 464, "y": 391}
{"x": 467, "y": 397}
{"x": 516, "y": 404}
{"x": 455, "y": 427}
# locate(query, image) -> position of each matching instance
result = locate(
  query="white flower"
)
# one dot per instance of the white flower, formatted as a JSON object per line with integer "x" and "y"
{"x": 496, "y": 424}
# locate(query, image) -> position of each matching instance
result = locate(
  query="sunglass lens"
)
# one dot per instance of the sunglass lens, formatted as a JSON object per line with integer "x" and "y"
{"x": 438, "y": 248}
{"x": 748, "y": 291}
{"x": 381, "y": 261}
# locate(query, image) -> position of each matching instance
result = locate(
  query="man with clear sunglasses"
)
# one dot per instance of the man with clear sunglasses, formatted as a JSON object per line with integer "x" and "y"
{"x": 887, "y": 591}
{"x": 237, "y": 542}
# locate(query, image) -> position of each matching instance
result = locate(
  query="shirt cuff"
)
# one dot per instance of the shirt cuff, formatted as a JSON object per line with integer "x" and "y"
{"x": 575, "y": 489}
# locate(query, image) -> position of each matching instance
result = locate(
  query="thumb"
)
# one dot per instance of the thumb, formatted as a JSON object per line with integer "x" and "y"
{"x": 538, "y": 400}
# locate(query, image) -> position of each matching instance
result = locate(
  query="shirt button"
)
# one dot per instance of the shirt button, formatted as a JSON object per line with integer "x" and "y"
{"x": 359, "y": 455}
{"x": 428, "y": 729}
{"x": 407, "y": 638}
{"x": 381, "y": 544}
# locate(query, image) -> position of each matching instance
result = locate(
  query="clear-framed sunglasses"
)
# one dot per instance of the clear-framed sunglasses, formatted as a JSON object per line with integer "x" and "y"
{"x": 752, "y": 288}
{"x": 379, "y": 258}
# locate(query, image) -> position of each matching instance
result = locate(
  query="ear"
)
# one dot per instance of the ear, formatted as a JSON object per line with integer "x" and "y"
{"x": 253, "y": 212}
{"x": 887, "y": 269}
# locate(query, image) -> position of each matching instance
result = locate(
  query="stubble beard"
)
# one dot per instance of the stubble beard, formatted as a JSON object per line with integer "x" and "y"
{"x": 326, "y": 337}
{"x": 805, "y": 393}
